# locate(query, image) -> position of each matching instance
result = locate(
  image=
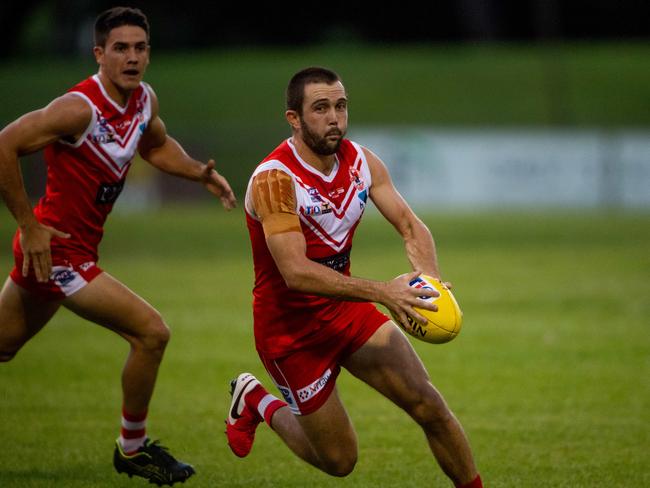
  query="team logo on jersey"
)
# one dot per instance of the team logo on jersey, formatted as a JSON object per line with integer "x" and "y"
{"x": 355, "y": 178}
{"x": 336, "y": 193}
{"x": 322, "y": 209}
{"x": 123, "y": 125}
{"x": 104, "y": 134}
{"x": 314, "y": 195}
{"x": 359, "y": 184}
{"x": 141, "y": 121}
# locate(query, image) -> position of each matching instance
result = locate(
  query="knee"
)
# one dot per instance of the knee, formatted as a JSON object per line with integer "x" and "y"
{"x": 431, "y": 411}
{"x": 7, "y": 354}
{"x": 340, "y": 467}
{"x": 155, "y": 333}
{"x": 9, "y": 349}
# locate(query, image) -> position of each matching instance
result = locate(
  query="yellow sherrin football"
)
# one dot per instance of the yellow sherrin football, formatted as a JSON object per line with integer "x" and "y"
{"x": 443, "y": 325}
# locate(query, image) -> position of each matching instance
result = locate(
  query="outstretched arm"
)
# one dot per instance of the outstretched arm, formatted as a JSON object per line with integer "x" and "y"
{"x": 166, "y": 154}
{"x": 66, "y": 116}
{"x": 420, "y": 248}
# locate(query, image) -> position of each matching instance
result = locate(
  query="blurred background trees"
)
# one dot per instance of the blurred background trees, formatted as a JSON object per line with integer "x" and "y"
{"x": 61, "y": 27}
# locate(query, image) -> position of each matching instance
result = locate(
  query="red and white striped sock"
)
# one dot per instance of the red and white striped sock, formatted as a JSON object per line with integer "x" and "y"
{"x": 133, "y": 432}
{"x": 265, "y": 403}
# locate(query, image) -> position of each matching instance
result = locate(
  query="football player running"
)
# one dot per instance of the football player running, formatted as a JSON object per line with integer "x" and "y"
{"x": 90, "y": 135}
{"x": 311, "y": 316}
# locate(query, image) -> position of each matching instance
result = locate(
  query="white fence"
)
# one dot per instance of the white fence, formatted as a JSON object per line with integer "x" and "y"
{"x": 515, "y": 168}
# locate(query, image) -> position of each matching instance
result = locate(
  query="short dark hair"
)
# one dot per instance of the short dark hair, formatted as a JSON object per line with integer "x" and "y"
{"x": 117, "y": 17}
{"x": 296, "y": 88}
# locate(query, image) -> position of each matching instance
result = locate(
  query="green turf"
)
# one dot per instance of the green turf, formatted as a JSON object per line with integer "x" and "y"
{"x": 549, "y": 375}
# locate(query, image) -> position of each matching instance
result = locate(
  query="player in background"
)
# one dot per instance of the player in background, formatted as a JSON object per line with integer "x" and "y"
{"x": 311, "y": 316}
{"x": 90, "y": 136}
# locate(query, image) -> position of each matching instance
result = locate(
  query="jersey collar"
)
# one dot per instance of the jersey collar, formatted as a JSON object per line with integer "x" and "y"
{"x": 327, "y": 178}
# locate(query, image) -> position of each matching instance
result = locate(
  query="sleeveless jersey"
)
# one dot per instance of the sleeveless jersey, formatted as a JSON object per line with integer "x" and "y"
{"x": 330, "y": 208}
{"x": 85, "y": 178}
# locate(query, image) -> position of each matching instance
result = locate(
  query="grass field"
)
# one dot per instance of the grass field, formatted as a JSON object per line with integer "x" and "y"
{"x": 550, "y": 375}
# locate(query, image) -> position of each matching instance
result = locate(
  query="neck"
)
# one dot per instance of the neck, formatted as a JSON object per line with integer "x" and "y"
{"x": 121, "y": 97}
{"x": 320, "y": 162}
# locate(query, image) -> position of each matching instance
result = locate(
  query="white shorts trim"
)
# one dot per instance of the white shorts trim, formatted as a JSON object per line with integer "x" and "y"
{"x": 67, "y": 279}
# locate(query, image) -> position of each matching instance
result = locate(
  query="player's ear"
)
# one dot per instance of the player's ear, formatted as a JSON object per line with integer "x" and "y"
{"x": 293, "y": 118}
{"x": 98, "y": 51}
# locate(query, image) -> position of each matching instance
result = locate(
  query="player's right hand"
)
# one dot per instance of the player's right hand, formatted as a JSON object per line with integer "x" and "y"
{"x": 35, "y": 244}
{"x": 402, "y": 298}
{"x": 218, "y": 185}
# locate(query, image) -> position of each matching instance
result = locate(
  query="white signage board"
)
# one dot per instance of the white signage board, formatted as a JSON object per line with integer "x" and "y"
{"x": 514, "y": 168}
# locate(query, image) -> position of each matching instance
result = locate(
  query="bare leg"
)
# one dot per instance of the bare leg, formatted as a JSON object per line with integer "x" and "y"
{"x": 388, "y": 363}
{"x": 325, "y": 439}
{"x": 22, "y": 315}
{"x": 111, "y": 304}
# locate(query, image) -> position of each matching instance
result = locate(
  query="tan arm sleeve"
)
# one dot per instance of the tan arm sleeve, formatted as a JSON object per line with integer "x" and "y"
{"x": 274, "y": 201}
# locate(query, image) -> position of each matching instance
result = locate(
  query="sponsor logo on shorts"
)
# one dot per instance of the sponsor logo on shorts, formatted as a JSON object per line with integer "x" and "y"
{"x": 86, "y": 266}
{"x": 63, "y": 277}
{"x": 67, "y": 279}
{"x": 311, "y": 390}
{"x": 286, "y": 393}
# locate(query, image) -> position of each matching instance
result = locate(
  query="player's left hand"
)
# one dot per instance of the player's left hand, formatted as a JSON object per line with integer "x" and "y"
{"x": 218, "y": 185}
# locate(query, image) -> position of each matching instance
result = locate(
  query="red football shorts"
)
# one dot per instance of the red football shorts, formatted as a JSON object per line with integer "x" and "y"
{"x": 307, "y": 377}
{"x": 69, "y": 274}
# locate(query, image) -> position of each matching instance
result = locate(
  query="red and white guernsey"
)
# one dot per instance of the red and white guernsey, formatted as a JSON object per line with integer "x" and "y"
{"x": 330, "y": 208}
{"x": 85, "y": 177}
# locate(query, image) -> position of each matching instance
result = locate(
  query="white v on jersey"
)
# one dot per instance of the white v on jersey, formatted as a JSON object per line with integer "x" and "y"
{"x": 329, "y": 206}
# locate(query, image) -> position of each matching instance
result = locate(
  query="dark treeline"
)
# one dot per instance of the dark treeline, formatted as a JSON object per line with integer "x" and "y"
{"x": 63, "y": 26}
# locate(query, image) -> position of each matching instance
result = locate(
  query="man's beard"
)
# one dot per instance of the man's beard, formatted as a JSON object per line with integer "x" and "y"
{"x": 321, "y": 145}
